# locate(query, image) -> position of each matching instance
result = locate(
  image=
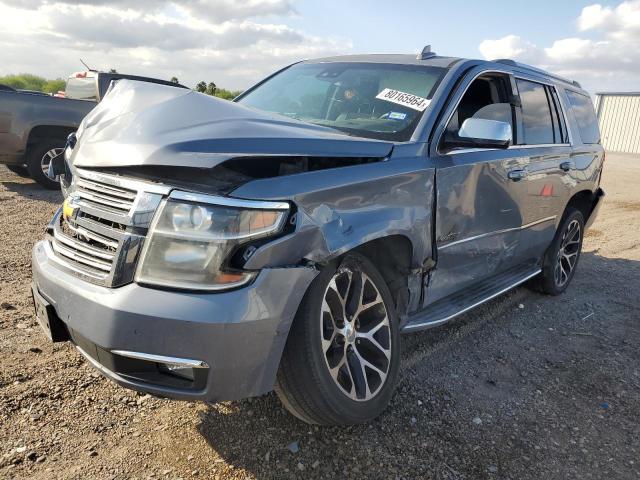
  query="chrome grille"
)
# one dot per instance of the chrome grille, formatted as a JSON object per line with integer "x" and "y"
{"x": 102, "y": 196}
{"x": 101, "y": 240}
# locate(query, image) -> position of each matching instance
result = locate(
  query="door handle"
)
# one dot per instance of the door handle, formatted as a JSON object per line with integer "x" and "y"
{"x": 566, "y": 166}
{"x": 517, "y": 175}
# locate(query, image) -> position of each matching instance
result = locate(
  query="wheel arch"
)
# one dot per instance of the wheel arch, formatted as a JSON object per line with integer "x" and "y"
{"x": 47, "y": 132}
{"x": 583, "y": 201}
{"x": 392, "y": 255}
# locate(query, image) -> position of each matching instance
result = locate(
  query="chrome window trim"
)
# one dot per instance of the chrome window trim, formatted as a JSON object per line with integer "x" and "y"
{"x": 227, "y": 201}
{"x": 496, "y": 232}
{"x": 512, "y": 147}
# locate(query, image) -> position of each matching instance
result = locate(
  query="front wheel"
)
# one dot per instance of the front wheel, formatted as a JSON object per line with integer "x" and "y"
{"x": 341, "y": 360}
{"x": 560, "y": 262}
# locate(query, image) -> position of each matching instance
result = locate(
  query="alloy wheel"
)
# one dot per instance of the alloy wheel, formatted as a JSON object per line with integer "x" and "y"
{"x": 356, "y": 335}
{"x": 568, "y": 253}
{"x": 45, "y": 161}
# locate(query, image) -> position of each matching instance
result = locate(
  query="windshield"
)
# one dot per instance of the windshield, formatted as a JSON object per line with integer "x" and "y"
{"x": 372, "y": 100}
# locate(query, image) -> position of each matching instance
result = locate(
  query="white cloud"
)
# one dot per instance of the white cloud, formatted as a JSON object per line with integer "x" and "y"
{"x": 510, "y": 46}
{"x": 607, "y": 59}
{"x": 215, "y": 10}
{"x": 219, "y": 40}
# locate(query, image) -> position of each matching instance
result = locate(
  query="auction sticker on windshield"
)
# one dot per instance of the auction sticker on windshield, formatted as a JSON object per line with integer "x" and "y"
{"x": 401, "y": 98}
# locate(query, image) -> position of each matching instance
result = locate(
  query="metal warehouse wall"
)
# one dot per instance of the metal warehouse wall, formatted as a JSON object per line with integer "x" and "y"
{"x": 619, "y": 118}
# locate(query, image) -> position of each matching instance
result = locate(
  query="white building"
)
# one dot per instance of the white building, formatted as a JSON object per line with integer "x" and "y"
{"x": 619, "y": 119}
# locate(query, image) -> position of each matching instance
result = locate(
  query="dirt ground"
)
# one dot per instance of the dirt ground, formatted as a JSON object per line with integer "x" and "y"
{"x": 527, "y": 386}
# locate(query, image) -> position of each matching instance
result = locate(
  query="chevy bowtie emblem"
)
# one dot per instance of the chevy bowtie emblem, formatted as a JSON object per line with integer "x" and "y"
{"x": 70, "y": 208}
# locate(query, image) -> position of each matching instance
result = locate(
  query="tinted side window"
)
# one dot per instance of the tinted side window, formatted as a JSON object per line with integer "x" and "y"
{"x": 486, "y": 98}
{"x": 560, "y": 127}
{"x": 536, "y": 115}
{"x": 585, "y": 117}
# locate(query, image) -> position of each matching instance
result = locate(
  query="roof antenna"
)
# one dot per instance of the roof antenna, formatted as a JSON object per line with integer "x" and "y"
{"x": 426, "y": 53}
{"x": 86, "y": 66}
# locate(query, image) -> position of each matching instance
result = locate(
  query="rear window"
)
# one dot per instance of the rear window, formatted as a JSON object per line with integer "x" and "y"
{"x": 537, "y": 125}
{"x": 81, "y": 88}
{"x": 585, "y": 117}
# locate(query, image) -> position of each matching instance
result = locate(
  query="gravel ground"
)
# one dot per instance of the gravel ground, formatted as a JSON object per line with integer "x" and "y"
{"x": 527, "y": 386}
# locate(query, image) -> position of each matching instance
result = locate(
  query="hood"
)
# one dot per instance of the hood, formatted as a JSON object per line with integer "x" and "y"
{"x": 141, "y": 123}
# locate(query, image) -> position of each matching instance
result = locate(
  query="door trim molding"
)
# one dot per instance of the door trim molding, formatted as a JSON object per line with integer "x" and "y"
{"x": 496, "y": 232}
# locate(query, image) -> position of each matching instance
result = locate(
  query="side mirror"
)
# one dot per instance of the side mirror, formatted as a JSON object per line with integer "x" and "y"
{"x": 480, "y": 133}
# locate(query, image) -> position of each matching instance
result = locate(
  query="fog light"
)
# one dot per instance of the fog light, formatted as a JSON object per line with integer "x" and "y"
{"x": 177, "y": 370}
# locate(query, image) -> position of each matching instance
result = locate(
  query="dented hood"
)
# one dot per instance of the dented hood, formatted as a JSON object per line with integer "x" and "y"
{"x": 149, "y": 124}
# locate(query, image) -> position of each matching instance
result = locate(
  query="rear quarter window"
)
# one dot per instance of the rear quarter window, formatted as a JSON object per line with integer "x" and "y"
{"x": 585, "y": 116}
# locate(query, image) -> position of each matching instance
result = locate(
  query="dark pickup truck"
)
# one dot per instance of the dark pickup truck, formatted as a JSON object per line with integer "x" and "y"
{"x": 34, "y": 126}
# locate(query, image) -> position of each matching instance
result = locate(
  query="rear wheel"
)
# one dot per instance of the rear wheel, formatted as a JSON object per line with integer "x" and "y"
{"x": 38, "y": 159}
{"x": 560, "y": 261}
{"x": 18, "y": 170}
{"x": 341, "y": 361}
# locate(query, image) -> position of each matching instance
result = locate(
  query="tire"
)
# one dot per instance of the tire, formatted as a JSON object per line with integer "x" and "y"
{"x": 36, "y": 159}
{"x": 19, "y": 170}
{"x": 322, "y": 337}
{"x": 561, "y": 259}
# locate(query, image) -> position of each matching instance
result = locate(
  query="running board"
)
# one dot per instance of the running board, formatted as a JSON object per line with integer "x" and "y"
{"x": 458, "y": 303}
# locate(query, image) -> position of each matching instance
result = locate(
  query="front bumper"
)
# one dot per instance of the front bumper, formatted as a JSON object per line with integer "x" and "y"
{"x": 239, "y": 335}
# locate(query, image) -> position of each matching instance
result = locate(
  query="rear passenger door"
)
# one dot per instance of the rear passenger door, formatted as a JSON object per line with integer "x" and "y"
{"x": 544, "y": 141}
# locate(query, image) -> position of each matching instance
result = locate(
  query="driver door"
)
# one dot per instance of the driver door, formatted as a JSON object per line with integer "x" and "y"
{"x": 479, "y": 200}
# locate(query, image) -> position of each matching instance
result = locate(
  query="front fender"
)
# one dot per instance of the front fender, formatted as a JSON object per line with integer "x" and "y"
{"x": 342, "y": 208}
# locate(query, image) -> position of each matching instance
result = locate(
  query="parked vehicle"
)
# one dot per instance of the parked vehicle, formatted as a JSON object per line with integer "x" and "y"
{"x": 211, "y": 250}
{"x": 34, "y": 126}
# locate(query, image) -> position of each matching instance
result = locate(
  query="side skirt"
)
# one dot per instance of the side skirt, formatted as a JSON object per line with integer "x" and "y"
{"x": 460, "y": 302}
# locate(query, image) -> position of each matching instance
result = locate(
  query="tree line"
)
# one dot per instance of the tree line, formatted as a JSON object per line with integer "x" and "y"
{"x": 212, "y": 89}
{"x": 28, "y": 81}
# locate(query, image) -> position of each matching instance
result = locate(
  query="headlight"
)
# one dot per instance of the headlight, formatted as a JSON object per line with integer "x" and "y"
{"x": 190, "y": 242}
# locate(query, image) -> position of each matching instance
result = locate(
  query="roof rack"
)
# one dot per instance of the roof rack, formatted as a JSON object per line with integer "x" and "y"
{"x": 506, "y": 61}
{"x": 426, "y": 53}
{"x": 513, "y": 63}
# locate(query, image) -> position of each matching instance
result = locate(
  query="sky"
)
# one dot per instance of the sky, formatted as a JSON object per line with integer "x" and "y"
{"x": 235, "y": 43}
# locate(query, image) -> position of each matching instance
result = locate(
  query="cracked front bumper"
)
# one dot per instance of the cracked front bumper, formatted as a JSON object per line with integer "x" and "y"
{"x": 239, "y": 335}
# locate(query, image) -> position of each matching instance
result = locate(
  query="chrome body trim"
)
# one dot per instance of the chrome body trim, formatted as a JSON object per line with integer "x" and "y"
{"x": 186, "y": 362}
{"x": 90, "y": 276}
{"x": 126, "y": 183}
{"x": 419, "y": 326}
{"x": 497, "y": 232}
{"x": 227, "y": 201}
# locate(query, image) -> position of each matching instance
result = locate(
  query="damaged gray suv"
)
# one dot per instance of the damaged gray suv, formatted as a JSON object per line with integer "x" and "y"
{"x": 212, "y": 250}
